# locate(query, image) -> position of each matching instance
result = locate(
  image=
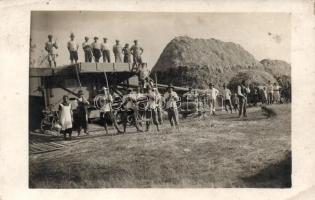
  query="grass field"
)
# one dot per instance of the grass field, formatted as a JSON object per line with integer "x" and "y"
{"x": 223, "y": 151}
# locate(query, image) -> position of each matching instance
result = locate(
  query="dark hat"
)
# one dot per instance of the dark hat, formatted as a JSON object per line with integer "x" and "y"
{"x": 135, "y": 41}
{"x": 95, "y": 38}
{"x": 211, "y": 84}
{"x": 129, "y": 89}
{"x": 117, "y": 40}
{"x": 86, "y": 37}
{"x": 72, "y": 35}
{"x": 104, "y": 38}
{"x": 50, "y": 36}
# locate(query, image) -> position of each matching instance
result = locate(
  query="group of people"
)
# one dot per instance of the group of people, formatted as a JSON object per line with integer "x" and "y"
{"x": 130, "y": 108}
{"x": 95, "y": 50}
{"x": 138, "y": 106}
{"x": 208, "y": 98}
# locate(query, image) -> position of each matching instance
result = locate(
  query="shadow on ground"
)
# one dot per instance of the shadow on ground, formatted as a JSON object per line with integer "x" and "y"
{"x": 274, "y": 175}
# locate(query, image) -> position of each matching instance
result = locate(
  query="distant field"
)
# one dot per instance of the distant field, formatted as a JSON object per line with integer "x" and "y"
{"x": 223, "y": 151}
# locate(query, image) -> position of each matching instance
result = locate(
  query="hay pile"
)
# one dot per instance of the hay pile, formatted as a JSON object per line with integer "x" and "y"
{"x": 196, "y": 62}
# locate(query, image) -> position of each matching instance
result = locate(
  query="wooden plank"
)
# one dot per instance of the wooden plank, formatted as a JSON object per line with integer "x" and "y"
{"x": 38, "y": 72}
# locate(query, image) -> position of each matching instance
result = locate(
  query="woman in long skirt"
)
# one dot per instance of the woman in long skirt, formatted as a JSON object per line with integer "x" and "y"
{"x": 65, "y": 113}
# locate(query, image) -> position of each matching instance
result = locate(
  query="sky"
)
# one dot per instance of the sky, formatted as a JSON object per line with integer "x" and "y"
{"x": 265, "y": 35}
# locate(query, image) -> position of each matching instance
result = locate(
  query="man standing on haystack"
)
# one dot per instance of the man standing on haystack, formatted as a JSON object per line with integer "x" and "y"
{"x": 242, "y": 92}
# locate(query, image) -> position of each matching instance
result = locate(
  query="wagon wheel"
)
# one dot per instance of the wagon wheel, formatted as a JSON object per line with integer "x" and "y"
{"x": 45, "y": 125}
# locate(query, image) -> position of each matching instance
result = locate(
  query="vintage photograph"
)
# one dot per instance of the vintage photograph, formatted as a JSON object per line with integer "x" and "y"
{"x": 159, "y": 100}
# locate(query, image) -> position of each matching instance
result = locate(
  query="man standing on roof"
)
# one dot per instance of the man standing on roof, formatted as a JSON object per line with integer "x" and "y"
{"x": 212, "y": 94}
{"x": 87, "y": 48}
{"x": 242, "y": 91}
{"x": 127, "y": 54}
{"x": 136, "y": 52}
{"x": 129, "y": 104}
{"x": 51, "y": 48}
{"x": 105, "y": 51}
{"x": 117, "y": 52}
{"x": 151, "y": 113}
{"x": 96, "y": 46}
{"x": 107, "y": 112}
{"x": 171, "y": 98}
{"x": 73, "y": 49}
{"x": 227, "y": 98}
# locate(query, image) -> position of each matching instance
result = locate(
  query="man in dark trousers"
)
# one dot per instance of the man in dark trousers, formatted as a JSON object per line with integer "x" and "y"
{"x": 87, "y": 48}
{"x": 127, "y": 54}
{"x": 96, "y": 46}
{"x": 82, "y": 113}
{"x": 136, "y": 52}
{"x": 242, "y": 92}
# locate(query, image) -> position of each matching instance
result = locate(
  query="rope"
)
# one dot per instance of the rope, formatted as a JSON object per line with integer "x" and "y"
{"x": 78, "y": 77}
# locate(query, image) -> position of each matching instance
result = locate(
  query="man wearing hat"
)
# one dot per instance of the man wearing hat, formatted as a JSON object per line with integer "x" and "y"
{"x": 96, "y": 46}
{"x": 242, "y": 92}
{"x": 129, "y": 104}
{"x": 105, "y": 51}
{"x": 117, "y": 50}
{"x": 127, "y": 54}
{"x": 212, "y": 94}
{"x": 107, "y": 112}
{"x": 87, "y": 48}
{"x": 227, "y": 98}
{"x": 159, "y": 107}
{"x": 136, "y": 52}
{"x": 73, "y": 49}
{"x": 82, "y": 112}
{"x": 51, "y": 48}
{"x": 171, "y": 98}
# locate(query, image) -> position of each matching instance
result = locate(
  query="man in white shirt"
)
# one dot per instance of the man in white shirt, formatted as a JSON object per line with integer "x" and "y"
{"x": 51, "y": 48}
{"x": 107, "y": 111}
{"x": 73, "y": 49}
{"x": 105, "y": 51}
{"x": 269, "y": 92}
{"x": 87, "y": 48}
{"x": 276, "y": 93}
{"x": 96, "y": 46}
{"x": 212, "y": 94}
{"x": 136, "y": 51}
{"x": 151, "y": 108}
{"x": 158, "y": 101}
{"x": 171, "y": 98}
{"x": 242, "y": 92}
{"x": 227, "y": 98}
{"x": 129, "y": 104}
{"x": 117, "y": 50}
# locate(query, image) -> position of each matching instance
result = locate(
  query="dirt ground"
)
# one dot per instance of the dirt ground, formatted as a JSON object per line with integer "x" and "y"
{"x": 223, "y": 151}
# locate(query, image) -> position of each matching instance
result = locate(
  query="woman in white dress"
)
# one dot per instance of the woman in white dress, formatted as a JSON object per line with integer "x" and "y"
{"x": 65, "y": 114}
